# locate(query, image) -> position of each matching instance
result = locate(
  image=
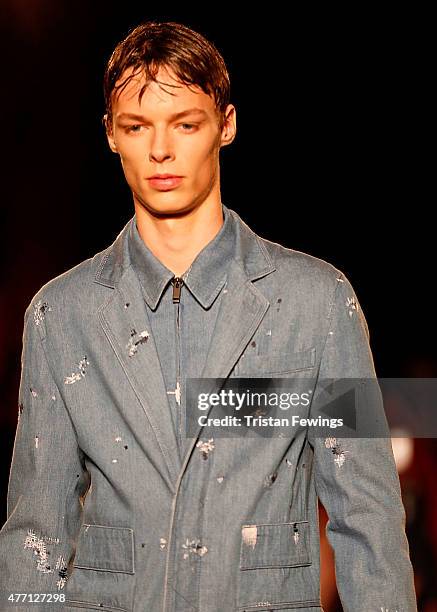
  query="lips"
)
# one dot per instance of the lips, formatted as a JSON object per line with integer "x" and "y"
{"x": 165, "y": 182}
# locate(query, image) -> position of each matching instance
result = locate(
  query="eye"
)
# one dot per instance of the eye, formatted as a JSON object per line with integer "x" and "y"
{"x": 133, "y": 128}
{"x": 189, "y": 125}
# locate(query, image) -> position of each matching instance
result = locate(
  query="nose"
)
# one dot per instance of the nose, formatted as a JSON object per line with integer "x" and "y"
{"x": 160, "y": 148}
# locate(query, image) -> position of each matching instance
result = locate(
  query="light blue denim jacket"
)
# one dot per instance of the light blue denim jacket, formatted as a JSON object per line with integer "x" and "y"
{"x": 105, "y": 513}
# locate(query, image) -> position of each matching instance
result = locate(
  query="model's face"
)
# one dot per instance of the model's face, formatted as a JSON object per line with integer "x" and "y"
{"x": 151, "y": 140}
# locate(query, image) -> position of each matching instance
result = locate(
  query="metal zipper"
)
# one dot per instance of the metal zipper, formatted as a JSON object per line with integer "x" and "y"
{"x": 177, "y": 283}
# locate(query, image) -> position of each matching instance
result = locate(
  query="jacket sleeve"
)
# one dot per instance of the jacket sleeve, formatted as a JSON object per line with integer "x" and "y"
{"x": 46, "y": 481}
{"x": 357, "y": 482}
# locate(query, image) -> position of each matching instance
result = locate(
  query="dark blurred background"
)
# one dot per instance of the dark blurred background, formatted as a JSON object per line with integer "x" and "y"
{"x": 332, "y": 157}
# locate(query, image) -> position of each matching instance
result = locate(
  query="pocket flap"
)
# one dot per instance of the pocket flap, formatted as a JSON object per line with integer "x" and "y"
{"x": 101, "y": 547}
{"x": 275, "y": 545}
{"x": 279, "y": 362}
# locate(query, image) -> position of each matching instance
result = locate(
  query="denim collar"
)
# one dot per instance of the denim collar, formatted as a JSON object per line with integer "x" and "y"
{"x": 204, "y": 278}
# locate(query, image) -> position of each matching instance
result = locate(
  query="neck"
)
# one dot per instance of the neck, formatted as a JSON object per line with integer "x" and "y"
{"x": 177, "y": 240}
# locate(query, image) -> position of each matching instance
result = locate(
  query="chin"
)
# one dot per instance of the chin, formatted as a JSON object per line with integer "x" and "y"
{"x": 161, "y": 204}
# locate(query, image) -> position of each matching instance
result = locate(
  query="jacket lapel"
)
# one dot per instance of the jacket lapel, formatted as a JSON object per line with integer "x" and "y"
{"x": 241, "y": 311}
{"x": 129, "y": 332}
{"x": 126, "y": 325}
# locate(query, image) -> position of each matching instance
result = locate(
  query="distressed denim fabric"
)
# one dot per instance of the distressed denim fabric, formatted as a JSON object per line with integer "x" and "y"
{"x": 104, "y": 510}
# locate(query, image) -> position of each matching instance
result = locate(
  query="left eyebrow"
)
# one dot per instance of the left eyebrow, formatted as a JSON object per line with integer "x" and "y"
{"x": 189, "y": 111}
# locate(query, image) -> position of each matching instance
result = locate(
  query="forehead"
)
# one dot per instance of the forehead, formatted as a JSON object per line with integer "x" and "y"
{"x": 167, "y": 94}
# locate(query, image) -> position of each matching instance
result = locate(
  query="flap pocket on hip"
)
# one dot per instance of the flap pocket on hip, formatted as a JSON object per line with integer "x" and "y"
{"x": 270, "y": 545}
{"x": 105, "y": 548}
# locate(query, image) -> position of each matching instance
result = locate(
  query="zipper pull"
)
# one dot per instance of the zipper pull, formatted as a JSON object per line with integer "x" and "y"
{"x": 177, "y": 283}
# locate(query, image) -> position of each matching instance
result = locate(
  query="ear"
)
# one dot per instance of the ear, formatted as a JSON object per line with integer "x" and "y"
{"x": 229, "y": 130}
{"x": 109, "y": 133}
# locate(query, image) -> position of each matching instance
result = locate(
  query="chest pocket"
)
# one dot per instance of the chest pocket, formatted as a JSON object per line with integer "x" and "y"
{"x": 103, "y": 569}
{"x": 276, "y": 364}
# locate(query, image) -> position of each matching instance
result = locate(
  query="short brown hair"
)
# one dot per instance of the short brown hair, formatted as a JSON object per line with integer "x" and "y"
{"x": 151, "y": 45}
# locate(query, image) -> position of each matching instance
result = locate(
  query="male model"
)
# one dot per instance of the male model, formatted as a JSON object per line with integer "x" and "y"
{"x": 110, "y": 505}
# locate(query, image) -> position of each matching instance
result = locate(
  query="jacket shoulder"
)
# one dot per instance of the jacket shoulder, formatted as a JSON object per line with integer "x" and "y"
{"x": 69, "y": 286}
{"x": 303, "y": 267}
